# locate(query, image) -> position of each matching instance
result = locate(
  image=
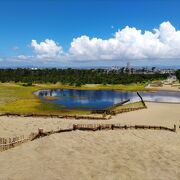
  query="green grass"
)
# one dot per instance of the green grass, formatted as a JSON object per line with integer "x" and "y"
{"x": 130, "y": 105}
{"x": 16, "y": 98}
{"x": 129, "y": 87}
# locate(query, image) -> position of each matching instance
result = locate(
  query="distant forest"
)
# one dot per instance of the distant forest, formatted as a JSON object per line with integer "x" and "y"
{"x": 178, "y": 74}
{"x": 76, "y": 77}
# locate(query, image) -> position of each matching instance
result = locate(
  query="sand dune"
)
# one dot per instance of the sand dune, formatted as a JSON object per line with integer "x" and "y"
{"x": 118, "y": 154}
{"x": 156, "y": 114}
{"x": 96, "y": 155}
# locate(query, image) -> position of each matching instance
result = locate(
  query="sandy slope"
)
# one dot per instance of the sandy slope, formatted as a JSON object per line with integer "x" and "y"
{"x": 155, "y": 114}
{"x": 164, "y": 88}
{"x": 118, "y": 154}
{"x": 96, "y": 155}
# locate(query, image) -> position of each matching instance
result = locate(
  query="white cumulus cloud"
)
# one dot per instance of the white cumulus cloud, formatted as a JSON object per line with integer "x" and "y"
{"x": 130, "y": 43}
{"x": 47, "y": 49}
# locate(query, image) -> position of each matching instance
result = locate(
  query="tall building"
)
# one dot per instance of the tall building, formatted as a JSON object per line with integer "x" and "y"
{"x": 128, "y": 68}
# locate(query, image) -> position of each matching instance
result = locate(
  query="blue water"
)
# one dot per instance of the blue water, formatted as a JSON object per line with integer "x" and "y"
{"x": 102, "y": 99}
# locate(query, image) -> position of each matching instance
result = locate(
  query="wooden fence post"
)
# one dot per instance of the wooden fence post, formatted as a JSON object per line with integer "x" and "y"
{"x": 40, "y": 131}
{"x": 74, "y": 127}
{"x": 112, "y": 126}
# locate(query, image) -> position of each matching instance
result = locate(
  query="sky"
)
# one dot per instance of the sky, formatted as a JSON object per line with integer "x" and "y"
{"x": 76, "y": 33}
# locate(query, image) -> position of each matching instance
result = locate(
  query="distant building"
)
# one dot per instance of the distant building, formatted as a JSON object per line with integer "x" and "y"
{"x": 128, "y": 68}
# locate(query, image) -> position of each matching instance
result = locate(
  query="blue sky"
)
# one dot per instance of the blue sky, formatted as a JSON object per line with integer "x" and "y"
{"x": 22, "y": 21}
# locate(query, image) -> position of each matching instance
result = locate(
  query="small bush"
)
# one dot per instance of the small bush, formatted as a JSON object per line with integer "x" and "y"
{"x": 27, "y": 84}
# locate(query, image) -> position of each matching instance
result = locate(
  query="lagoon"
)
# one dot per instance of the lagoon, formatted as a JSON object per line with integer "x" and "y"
{"x": 102, "y": 99}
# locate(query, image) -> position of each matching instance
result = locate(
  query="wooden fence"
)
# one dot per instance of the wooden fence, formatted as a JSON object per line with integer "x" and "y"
{"x": 124, "y": 110}
{"x": 90, "y": 117}
{"x": 118, "y": 111}
{"x": 95, "y": 127}
{"x": 41, "y": 133}
{"x": 8, "y": 143}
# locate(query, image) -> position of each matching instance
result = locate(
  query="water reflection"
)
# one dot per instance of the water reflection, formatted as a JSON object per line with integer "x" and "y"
{"x": 102, "y": 99}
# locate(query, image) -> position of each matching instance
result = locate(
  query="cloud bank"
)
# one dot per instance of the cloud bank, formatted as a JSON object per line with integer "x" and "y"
{"x": 128, "y": 43}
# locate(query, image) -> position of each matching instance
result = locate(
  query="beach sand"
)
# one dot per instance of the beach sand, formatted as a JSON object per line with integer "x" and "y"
{"x": 118, "y": 154}
{"x": 164, "y": 88}
{"x": 156, "y": 114}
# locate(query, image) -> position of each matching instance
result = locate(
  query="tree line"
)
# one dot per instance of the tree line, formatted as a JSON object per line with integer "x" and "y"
{"x": 76, "y": 77}
{"x": 178, "y": 74}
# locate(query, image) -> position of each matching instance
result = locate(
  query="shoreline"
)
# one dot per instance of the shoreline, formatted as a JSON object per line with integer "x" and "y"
{"x": 27, "y": 103}
{"x": 21, "y": 99}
